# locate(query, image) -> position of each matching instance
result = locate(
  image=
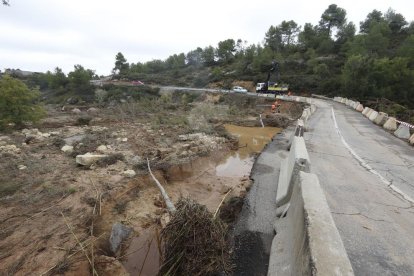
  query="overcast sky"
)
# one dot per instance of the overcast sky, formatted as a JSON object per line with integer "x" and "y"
{"x": 38, "y": 35}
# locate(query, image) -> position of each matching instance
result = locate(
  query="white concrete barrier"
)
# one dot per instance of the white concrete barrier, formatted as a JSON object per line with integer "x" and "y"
{"x": 297, "y": 160}
{"x": 411, "y": 141}
{"x": 359, "y": 108}
{"x": 307, "y": 241}
{"x": 390, "y": 124}
{"x": 381, "y": 119}
{"x": 373, "y": 115}
{"x": 369, "y": 112}
{"x": 365, "y": 111}
{"x": 403, "y": 132}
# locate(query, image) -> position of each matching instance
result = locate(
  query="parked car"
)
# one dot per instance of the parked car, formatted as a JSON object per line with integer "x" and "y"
{"x": 239, "y": 89}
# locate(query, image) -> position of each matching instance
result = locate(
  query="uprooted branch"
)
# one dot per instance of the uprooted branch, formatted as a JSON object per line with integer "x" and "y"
{"x": 168, "y": 202}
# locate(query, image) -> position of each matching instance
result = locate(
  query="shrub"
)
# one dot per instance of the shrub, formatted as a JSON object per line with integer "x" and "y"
{"x": 17, "y": 103}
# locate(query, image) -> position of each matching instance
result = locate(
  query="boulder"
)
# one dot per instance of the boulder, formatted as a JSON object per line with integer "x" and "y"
{"x": 67, "y": 149}
{"x": 119, "y": 233}
{"x": 88, "y": 159}
{"x": 391, "y": 124}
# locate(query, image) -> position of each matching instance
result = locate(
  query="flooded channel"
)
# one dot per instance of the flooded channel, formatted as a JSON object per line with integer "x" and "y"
{"x": 203, "y": 180}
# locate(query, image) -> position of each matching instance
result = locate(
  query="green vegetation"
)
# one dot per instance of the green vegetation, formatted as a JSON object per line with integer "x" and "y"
{"x": 17, "y": 103}
{"x": 328, "y": 58}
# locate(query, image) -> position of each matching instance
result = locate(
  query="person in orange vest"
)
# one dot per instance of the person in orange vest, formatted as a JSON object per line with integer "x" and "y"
{"x": 277, "y": 105}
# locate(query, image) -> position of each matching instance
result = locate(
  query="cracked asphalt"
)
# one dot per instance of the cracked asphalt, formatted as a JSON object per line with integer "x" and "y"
{"x": 375, "y": 222}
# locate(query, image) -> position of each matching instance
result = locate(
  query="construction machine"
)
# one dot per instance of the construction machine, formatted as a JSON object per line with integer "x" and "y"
{"x": 271, "y": 85}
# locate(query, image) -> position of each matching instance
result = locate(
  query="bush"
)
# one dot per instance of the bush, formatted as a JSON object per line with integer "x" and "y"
{"x": 17, "y": 103}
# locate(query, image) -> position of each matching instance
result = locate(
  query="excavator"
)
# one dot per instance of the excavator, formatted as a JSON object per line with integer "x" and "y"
{"x": 272, "y": 86}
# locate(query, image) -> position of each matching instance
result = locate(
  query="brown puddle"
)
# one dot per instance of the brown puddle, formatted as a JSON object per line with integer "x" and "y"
{"x": 203, "y": 180}
{"x": 251, "y": 140}
{"x": 144, "y": 255}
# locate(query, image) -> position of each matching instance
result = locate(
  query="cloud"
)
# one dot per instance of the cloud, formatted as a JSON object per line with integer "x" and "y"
{"x": 40, "y": 35}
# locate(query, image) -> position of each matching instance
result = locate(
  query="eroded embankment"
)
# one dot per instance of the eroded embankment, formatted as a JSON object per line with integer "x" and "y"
{"x": 206, "y": 180}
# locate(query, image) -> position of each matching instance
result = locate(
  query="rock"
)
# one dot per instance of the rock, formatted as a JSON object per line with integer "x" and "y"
{"x": 92, "y": 110}
{"x": 102, "y": 149}
{"x": 129, "y": 173}
{"x": 124, "y": 139}
{"x": 136, "y": 160}
{"x": 34, "y": 134}
{"x": 11, "y": 149}
{"x": 22, "y": 167}
{"x": 118, "y": 234}
{"x": 76, "y": 111}
{"x": 98, "y": 128}
{"x": 67, "y": 149}
{"x": 88, "y": 159}
{"x": 184, "y": 153}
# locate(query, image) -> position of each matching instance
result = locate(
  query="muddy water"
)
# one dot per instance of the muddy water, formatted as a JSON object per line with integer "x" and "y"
{"x": 203, "y": 180}
{"x": 251, "y": 140}
{"x": 144, "y": 255}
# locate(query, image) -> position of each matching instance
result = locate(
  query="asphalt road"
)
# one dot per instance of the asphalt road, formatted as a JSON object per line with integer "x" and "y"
{"x": 368, "y": 178}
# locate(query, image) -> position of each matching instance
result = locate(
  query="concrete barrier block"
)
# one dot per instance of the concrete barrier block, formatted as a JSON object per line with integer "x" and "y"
{"x": 381, "y": 119}
{"x": 373, "y": 115}
{"x": 369, "y": 113}
{"x": 307, "y": 240}
{"x": 411, "y": 141}
{"x": 359, "y": 108}
{"x": 297, "y": 160}
{"x": 403, "y": 132}
{"x": 391, "y": 124}
{"x": 366, "y": 109}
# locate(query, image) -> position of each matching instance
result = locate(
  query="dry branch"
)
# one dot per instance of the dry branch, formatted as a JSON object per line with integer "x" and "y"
{"x": 168, "y": 202}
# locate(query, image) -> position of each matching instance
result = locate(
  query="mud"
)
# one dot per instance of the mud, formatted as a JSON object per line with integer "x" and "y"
{"x": 206, "y": 180}
{"x": 48, "y": 203}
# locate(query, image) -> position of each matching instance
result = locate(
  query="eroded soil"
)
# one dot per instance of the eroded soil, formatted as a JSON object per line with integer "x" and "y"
{"x": 56, "y": 216}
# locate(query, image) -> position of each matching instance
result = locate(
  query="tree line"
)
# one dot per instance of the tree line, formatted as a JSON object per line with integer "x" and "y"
{"x": 330, "y": 58}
